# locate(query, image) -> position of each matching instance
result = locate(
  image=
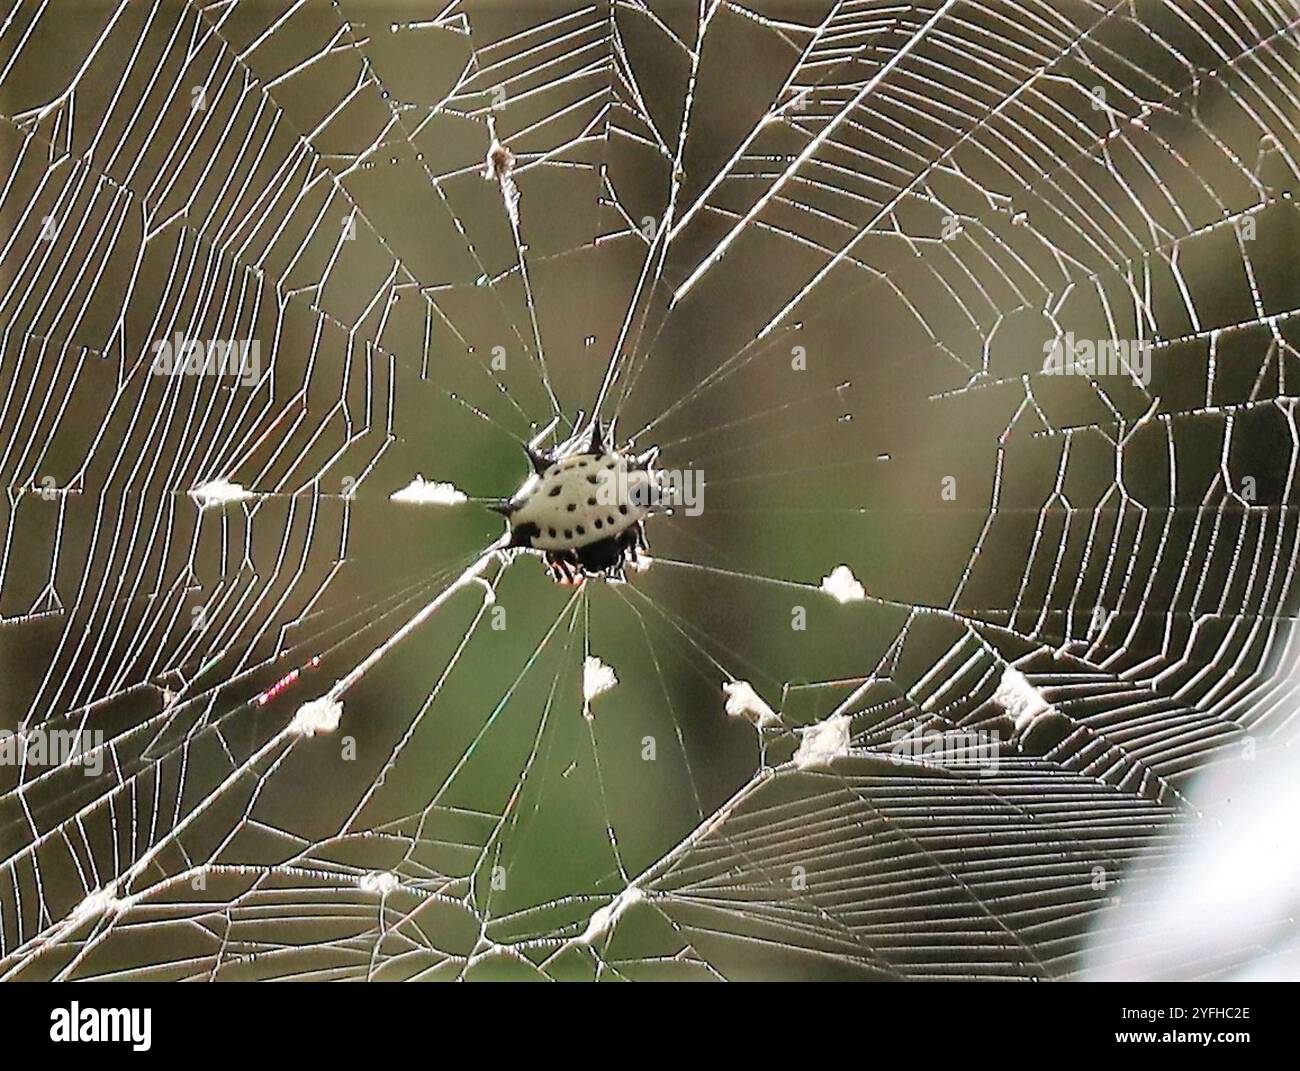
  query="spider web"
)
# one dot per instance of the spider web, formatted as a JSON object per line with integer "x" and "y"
{"x": 812, "y": 250}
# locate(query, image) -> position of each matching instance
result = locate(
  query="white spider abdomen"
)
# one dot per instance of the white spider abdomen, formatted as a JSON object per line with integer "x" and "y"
{"x": 583, "y": 499}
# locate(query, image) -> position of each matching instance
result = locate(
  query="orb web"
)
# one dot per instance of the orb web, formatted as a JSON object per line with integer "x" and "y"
{"x": 334, "y": 732}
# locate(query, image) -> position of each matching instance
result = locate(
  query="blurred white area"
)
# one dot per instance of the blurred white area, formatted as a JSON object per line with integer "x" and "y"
{"x": 1226, "y": 905}
{"x": 429, "y": 493}
{"x": 841, "y": 585}
{"x": 744, "y": 702}
{"x": 218, "y": 493}
{"x": 824, "y": 742}
{"x": 597, "y": 678}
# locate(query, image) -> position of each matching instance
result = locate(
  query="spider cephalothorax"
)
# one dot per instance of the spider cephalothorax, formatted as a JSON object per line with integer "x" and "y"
{"x": 584, "y": 511}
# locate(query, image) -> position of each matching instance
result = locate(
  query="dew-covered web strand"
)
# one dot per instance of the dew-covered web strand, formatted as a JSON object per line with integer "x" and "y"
{"x": 511, "y": 816}
{"x": 534, "y": 350}
{"x": 497, "y": 710}
{"x": 1064, "y": 167}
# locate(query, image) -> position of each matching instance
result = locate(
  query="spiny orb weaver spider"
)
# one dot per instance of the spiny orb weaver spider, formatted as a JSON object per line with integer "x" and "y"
{"x": 584, "y": 511}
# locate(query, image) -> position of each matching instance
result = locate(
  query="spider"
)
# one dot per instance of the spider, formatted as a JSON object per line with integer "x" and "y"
{"x": 584, "y": 512}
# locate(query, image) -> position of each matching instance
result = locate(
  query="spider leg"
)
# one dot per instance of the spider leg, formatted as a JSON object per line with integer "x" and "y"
{"x": 564, "y": 567}
{"x": 627, "y": 552}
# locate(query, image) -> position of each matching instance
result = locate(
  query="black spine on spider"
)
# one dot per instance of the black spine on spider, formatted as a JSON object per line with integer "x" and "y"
{"x": 541, "y": 462}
